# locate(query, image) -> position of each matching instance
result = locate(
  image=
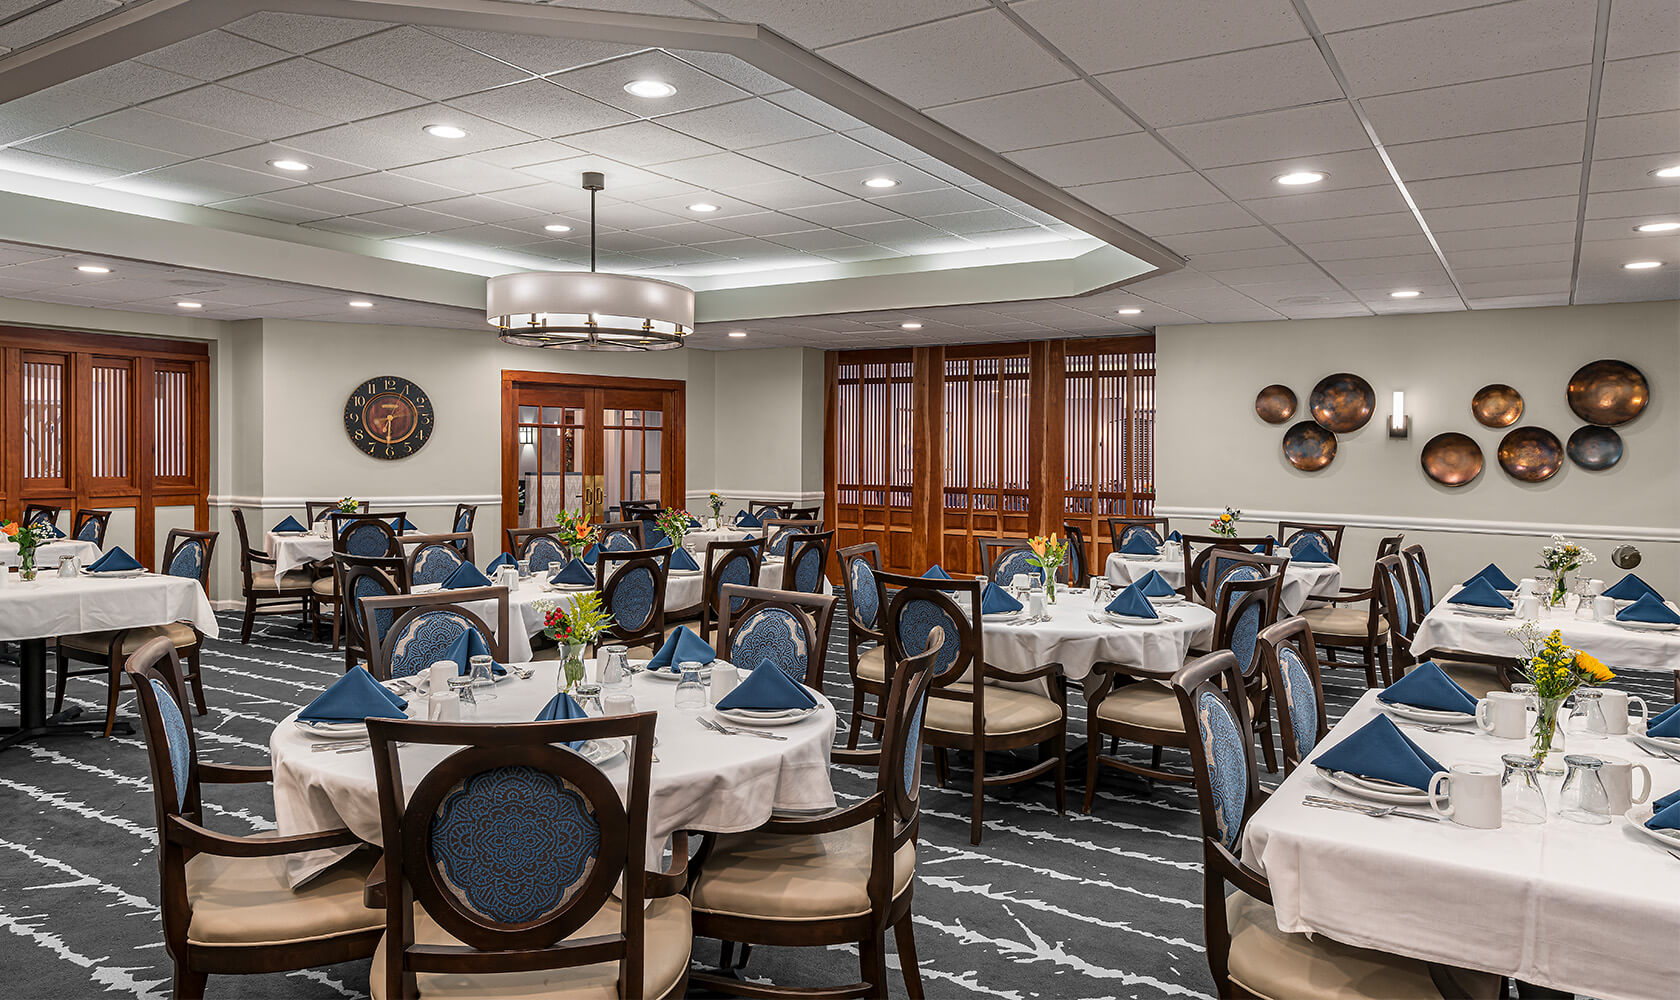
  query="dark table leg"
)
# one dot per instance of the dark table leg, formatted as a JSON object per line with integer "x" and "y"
{"x": 33, "y": 721}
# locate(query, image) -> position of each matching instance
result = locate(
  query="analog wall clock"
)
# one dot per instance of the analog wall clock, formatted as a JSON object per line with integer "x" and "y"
{"x": 389, "y": 417}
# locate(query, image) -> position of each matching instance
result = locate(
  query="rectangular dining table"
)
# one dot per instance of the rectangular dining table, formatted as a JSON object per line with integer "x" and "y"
{"x": 1579, "y": 908}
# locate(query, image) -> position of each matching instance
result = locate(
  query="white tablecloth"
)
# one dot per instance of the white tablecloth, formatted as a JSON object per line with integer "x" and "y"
{"x": 47, "y": 556}
{"x": 697, "y": 539}
{"x": 702, "y": 781}
{"x": 50, "y": 606}
{"x": 293, "y": 551}
{"x": 1616, "y": 646}
{"x": 1584, "y": 909}
{"x": 1300, "y": 580}
{"x": 1071, "y": 638}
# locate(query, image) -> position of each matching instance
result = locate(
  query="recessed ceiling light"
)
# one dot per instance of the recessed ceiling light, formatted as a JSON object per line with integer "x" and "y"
{"x": 292, "y": 165}
{"x": 909, "y": 326}
{"x": 649, "y": 88}
{"x": 190, "y": 305}
{"x": 1300, "y": 177}
{"x": 1129, "y": 312}
{"x": 737, "y": 333}
{"x": 880, "y": 182}
{"x": 446, "y": 132}
{"x": 93, "y": 269}
{"x": 702, "y": 206}
{"x": 1642, "y": 265}
{"x": 1405, "y": 293}
{"x": 558, "y": 228}
{"x": 360, "y": 304}
{"x": 1673, "y": 171}
{"x": 1657, "y": 227}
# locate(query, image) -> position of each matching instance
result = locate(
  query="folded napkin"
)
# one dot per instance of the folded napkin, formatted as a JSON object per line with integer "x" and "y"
{"x": 289, "y": 526}
{"x": 574, "y": 572}
{"x": 1153, "y": 584}
{"x": 465, "y": 577}
{"x": 591, "y": 554}
{"x": 655, "y": 538}
{"x": 1139, "y": 545}
{"x": 1175, "y": 537}
{"x": 1671, "y": 798}
{"x": 1631, "y": 588}
{"x": 1666, "y": 725}
{"x": 1494, "y": 577}
{"x": 562, "y": 707}
{"x": 1260, "y": 549}
{"x": 402, "y": 524}
{"x": 114, "y": 561}
{"x": 1307, "y": 550}
{"x": 996, "y": 601}
{"x": 47, "y": 528}
{"x": 1480, "y": 593}
{"x": 1427, "y": 686}
{"x": 680, "y": 647}
{"x": 768, "y": 688}
{"x": 693, "y": 522}
{"x": 1667, "y": 818}
{"x": 1648, "y": 609}
{"x": 936, "y": 573}
{"x": 1380, "y": 750}
{"x": 352, "y": 698}
{"x": 680, "y": 559}
{"x": 746, "y": 520}
{"x": 502, "y": 560}
{"x": 1132, "y": 603}
{"x": 468, "y": 645}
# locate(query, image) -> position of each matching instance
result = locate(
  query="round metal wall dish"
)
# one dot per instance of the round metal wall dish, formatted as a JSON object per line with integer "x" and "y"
{"x": 1608, "y": 393}
{"x": 1343, "y": 402}
{"x": 1530, "y": 454}
{"x": 1595, "y": 448}
{"x": 1308, "y": 446}
{"x": 1496, "y": 405}
{"x": 1275, "y": 403}
{"x": 1452, "y": 459}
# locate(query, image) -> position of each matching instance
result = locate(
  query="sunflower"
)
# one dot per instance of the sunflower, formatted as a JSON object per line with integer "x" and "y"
{"x": 1588, "y": 664}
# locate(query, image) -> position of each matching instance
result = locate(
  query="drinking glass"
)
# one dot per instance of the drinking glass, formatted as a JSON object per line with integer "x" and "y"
{"x": 588, "y": 697}
{"x": 482, "y": 676}
{"x": 1586, "y": 716}
{"x": 524, "y": 568}
{"x": 465, "y": 697}
{"x": 1584, "y": 598}
{"x": 618, "y": 703}
{"x": 1522, "y": 800}
{"x": 1584, "y": 797}
{"x": 691, "y": 690}
{"x": 613, "y": 667}
{"x": 1531, "y": 698}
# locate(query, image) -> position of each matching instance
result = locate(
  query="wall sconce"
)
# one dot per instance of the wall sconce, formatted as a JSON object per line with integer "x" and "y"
{"x": 527, "y": 435}
{"x": 1399, "y": 424}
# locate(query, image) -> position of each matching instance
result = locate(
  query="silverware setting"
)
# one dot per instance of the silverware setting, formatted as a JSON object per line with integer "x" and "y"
{"x": 344, "y": 746}
{"x": 1439, "y": 729}
{"x": 723, "y": 730}
{"x": 1660, "y": 755}
{"x": 523, "y": 673}
{"x": 1029, "y": 621}
{"x": 1320, "y": 802}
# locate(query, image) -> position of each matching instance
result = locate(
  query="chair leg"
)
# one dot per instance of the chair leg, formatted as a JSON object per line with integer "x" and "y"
{"x": 338, "y": 620}
{"x": 250, "y": 619}
{"x": 111, "y": 700}
{"x": 872, "y": 957}
{"x": 1061, "y": 772}
{"x": 941, "y": 766}
{"x": 857, "y": 718}
{"x": 197, "y": 680}
{"x": 64, "y": 675}
{"x": 1386, "y": 665}
{"x": 979, "y": 807}
{"x": 1093, "y": 750}
{"x": 905, "y": 933}
{"x": 188, "y": 985}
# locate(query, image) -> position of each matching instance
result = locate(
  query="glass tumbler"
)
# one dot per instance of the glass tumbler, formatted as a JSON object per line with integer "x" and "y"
{"x": 1522, "y": 800}
{"x": 613, "y": 667}
{"x": 691, "y": 690}
{"x": 618, "y": 703}
{"x": 1586, "y": 714}
{"x": 1584, "y": 797}
{"x": 483, "y": 677}
{"x": 465, "y": 697}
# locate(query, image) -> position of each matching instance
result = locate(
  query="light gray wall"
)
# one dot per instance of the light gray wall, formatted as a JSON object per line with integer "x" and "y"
{"x": 769, "y": 422}
{"x": 1212, "y": 450}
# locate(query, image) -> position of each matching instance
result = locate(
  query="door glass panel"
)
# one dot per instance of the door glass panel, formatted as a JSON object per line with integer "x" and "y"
{"x": 612, "y": 418}
{"x": 652, "y": 417}
{"x": 527, "y": 414}
{"x": 559, "y": 468}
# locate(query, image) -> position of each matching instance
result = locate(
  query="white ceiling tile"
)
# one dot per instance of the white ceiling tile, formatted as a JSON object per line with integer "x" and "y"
{"x": 646, "y": 216}
{"x": 814, "y": 23}
{"x": 263, "y": 208}
{"x": 1238, "y": 277}
{"x": 1232, "y": 83}
{"x": 1475, "y": 154}
{"x": 1547, "y": 98}
{"x": 1353, "y": 168}
{"x": 1503, "y": 185}
{"x": 723, "y": 170}
{"x": 1520, "y": 301}
{"x": 691, "y": 233}
{"x": 58, "y": 105}
{"x": 479, "y": 209}
{"x": 882, "y": 142}
{"x": 1094, "y": 160}
{"x": 1521, "y": 286}
{"x": 16, "y": 127}
{"x": 355, "y": 144}
{"x": 258, "y": 157}
{"x": 412, "y": 60}
{"x": 1506, "y": 236}
{"x": 1638, "y": 135}
{"x": 846, "y": 213}
{"x": 1340, "y": 15}
{"x": 161, "y": 132}
{"x": 213, "y": 55}
{"x": 935, "y": 63}
{"x": 638, "y": 144}
{"x": 619, "y": 176}
{"x": 130, "y": 82}
{"x": 466, "y": 174}
{"x": 233, "y": 111}
{"x": 1650, "y": 202}
{"x": 1627, "y": 174}
{"x": 1355, "y": 268}
{"x": 408, "y": 127}
{"x": 908, "y": 178}
{"x": 917, "y": 204}
{"x": 733, "y": 71}
{"x": 1225, "y": 241}
{"x": 1554, "y": 271}
{"x": 1257, "y": 257}
{"x": 535, "y": 53}
{"x": 889, "y": 233}
{"x": 37, "y": 165}
{"x": 359, "y": 227}
{"x": 1506, "y": 213}
{"x": 525, "y": 154}
{"x": 764, "y": 224}
{"x": 327, "y": 201}
{"x": 1197, "y": 219}
{"x": 1621, "y": 228}
{"x": 1642, "y": 28}
{"x": 743, "y": 124}
{"x": 201, "y": 182}
{"x": 605, "y": 82}
{"x": 541, "y": 109}
{"x": 50, "y": 19}
{"x": 394, "y": 188}
{"x": 819, "y": 153}
{"x": 794, "y": 192}
{"x": 818, "y": 239}
{"x": 71, "y": 144}
{"x": 990, "y": 220}
{"x": 1367, "y": 227}
{"x": 301, "y": 32}
{"x": 1103, "y": 36}
{"x": 1272, "y": 135}
{"x": 806, "y": 106}
{"x": 321, "y": 89}
{"x": 1061, "y": 112}
{"x": 1379, "y": 246}
{"x": 564, "y": 198}
{"x": 1349, "y": 203}
{"x": 1638, "y": 86}
{"x": 1143, "y": 194}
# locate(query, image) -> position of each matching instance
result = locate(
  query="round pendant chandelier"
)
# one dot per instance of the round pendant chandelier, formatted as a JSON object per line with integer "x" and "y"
{"x": 588, "y": 310}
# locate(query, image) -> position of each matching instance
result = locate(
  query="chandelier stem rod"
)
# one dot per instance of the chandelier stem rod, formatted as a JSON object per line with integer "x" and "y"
{"x": 592, "y": 230}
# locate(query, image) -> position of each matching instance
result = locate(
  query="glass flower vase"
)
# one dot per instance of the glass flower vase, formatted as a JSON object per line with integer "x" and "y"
{"x": 26, "y": 564}
{"x": 1560, "y": 588}
{"x": 1546, "y": 736}
{"x": 571, "y": 670}
{"x": 1050, "y": 584}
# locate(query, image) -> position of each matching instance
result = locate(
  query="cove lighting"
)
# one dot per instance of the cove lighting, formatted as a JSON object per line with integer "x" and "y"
{"x": 1301, "y": 177}
{"x": 1129, "y": 311}
{"x": 702, "y": 206}
{"x": 1404, "y": 293}
{"x": 446, "y": 132}
{"x": 880, "y": 182}
{"x": 190, "y": 305}
{"x": 360, "y": 304}
{"x": 1642, "y": 265}
{"x": 558, "y": 228}
{"x": 909, "y": 326}
{"x": 1657, "y": 227}
{"x": 737, "y": 333}
{"x": 93, "y": 269}
{"x": 649, "y": 88}
{"x": 292, "y": 165}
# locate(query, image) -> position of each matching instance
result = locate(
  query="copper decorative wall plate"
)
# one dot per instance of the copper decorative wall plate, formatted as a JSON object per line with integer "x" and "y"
{"x": 1343, "y": 402}
{"x": 1452, "y": 459}
{"x": 1308, "y": 446}
{"x": 1595, "y": 448}
{"x": 1608, "y": 393}
{"x": 1496, "y": 405}
{"x": 1530, "y": 454}
{"x": 1275, "y": 403}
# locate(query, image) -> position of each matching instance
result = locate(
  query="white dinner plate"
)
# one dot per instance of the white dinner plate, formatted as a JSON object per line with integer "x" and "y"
{"x": 1003, "y": 616}
{"x": 1637, "y": 816}
{"x": 333, "y": 730}
{"x": 1433, "y": 716}
{"x": 753, "y": 717}
{"x": 685, "y": 572}
{"x": 1476, "y": 609}
{"x": 1129, "y": 620}
{"x": 1169, "y": 599}
{"x": 674, "y": 676}
{"x": 115, "y": 574}
{"x": 1375, "y": 789}
{"x": 568, "y": 588}
{"x": 1661, "y": 744}
{"x": 1645, "y": 626}
{"x": 600, "y": 751}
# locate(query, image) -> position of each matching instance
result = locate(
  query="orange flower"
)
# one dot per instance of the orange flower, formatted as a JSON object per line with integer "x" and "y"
{"x": 1589, "y": 665}
{"x": 10, "y": 528}
{"x": 1037, "y": 545}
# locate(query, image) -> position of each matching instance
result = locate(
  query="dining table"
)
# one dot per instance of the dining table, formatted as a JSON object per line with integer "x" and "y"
{"x": 293, "y": 550}
{"x": 47, "y": 554}
{"x": 33, "y": 612}
{"x": 1076, "y": 633}
{"x": 1589, "y": 909}
{"x": 1301, "y": 581}
{"x": 1618, "y": 646}
{"x": 701, "y": 779}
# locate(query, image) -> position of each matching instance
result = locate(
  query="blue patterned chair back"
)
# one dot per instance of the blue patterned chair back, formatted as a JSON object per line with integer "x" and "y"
{"x": 1299, "y": 699}
{"x": 1306, "y": 534}
{"x": 464, "y": 519}
{"x": 170, "y": 741}
{"x": 782, "y": 635}
{"x": 1400, "y": 609}
{"x": 421, "y": 639}
{"x": 918, "y": 607}
{"x": 1242, "y": 613}
{"x": 433, "y": 562}
{"x": 632, "y": 597}
{"x": 1420, "y": 573}
{"x": 619, "y": 541}
{"x": 362, "y": 582}
{"x": 189, "y": 559}
{"x": 368, "y": 538}
{"x": 734, "y": 568}
{"x": 1015, "y": 561}
{"x": 89, "y": 531}
{"x": 1222, "y": 745}
{"x": 863, "y": 592}
{"x": 777, "y": 543}
{"x": 545, "y": 552}
{"x": 901, "y": 752}
{"x": 1131, "y": 531}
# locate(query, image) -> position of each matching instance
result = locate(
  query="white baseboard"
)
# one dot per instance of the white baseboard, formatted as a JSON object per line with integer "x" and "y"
{"x": 1401, "y": 522}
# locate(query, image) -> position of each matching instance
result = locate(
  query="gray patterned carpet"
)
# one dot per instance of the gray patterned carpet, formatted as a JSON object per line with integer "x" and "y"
{"x": 1049, "y": 906}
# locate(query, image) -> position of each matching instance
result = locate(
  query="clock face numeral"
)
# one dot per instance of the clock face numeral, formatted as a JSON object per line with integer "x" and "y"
{"x": 389, "y": 417}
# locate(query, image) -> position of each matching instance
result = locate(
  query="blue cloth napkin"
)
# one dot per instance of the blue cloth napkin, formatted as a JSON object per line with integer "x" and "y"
{"x": 574, "y": 572}
{"x": 562, "y": 707}
{"x": 1307, "y": 550}
{"x": 468, "y": 645}
{"x": 1665, "y": 725}
{"x": 1667, "y": 800}
{"x": 402, "y": 524}
{"x": 1666, "y": 819}
{"x": 1153, "y": 584}
{"x": 655, "y": 538}
{"x": 352, "y": 698}
{"x": 290, "y": 525}
{"x": 1378, "y": 749}
{"x": 1492, "y": 574}
{"x": 1260, "y": 549}
{"x": 996, "y": 601}
{"x": 1480, "y": 593}
{"x": 1648, "y": 609}
{"x": 1428, "y": 686}
{"x": 680, "y": 559}
{"x": 114, "y": 561}
{"x": 502, "y": 560}
{"x": 466, "y": 576}
{"x": 768, "y": 688}
{"x": 680, "y": 647}
{"x": 1132, "y": 603}
{"x": 1631, "y": 588}
{"x": 746, "y": 520}
{"x": 591, "y": 554}
{"x": 694, "y": 522}
{"x": 936, "y": 573}
{"x": 1139, "y": 545}
{"x": 1175, "y": 537}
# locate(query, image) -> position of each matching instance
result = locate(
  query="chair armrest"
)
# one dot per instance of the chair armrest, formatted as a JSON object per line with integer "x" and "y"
{"x": 1135, "y": 671}
{"x": 1042, "y": 670}
{"x": 373, "y": 890}
{"x": 828, "y": 822}
{"x": 234, "y": 774}
{"x": 206, "y": 841}
{"x": 257, "y": 556}
{"x": 840, "y": 755}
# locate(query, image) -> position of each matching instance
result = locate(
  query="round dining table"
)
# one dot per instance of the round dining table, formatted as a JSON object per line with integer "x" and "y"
{"x": 701, "y": 779}
{"x": 1301, "y": 581}
{"x": 47, "y": 554}
{"x": 1077, "y": 634}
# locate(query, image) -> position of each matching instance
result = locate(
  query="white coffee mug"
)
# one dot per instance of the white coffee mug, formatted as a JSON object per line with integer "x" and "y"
{"x": 1604, "y": 608}
{"x": 1617, "y": 775}
{"x": 1615, "y": 706}
{"x": 1021, "y": 582}
{"x": 1035, "y": 604}
{"x": 1472, "y": 792}
{"x": 1503, "y": 714}
{"x": 1528, "y": 585}
{"x": 724, "y": 679}
{"x": 508, "y": 576}
{"x": 1527, "y": 607}
{"x": 435, "y": 678}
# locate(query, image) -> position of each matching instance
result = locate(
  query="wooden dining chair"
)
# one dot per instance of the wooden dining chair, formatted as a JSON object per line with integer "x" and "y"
{"x": 727, "y": 564}
{"x": 1246, "y": 952}
{"x": 187, "y": 555}
{"x": 419, "y": 628}
{"x": 762, "y": 509}
{"x": 366, "y": 534}
{"x": 1328, "y": 536}
{"x": 834, "y": 879}
{"x": 967, "y": 709}
{"x": 1199, "y": 552}
{"x": 805, "y": 569}
{"x": 1343, "y": 625}
{"x": 793, "y": 512}
{"x": 790, "y": 630}
{"x": 1246, "y": 598}
{"x": 432, "y": 558}
{"x": 1121, "y": 530}
{"x": 540, "y": 545}
{"x": 227, "y": 905}
{"x": 462, "y": 523}
{"x": 91, "y": 525}
{"x": 41, "y": 513}
{"x": 623, "y": 536}
{"x": 1079, "y": 555}
{"x": 364, "y": 577}
{"x": 1476, "y": 673}
{"x": 779, "y": 531}
{"x": 639, "y": 510}
{"x": 1289, "y": 658}
{"x": 264, "y": 591}
{"x": 632, "y": 583}
{"x": 865, "y": 602}
{"x": 515, "y": 868}
{"x": 1423, "y": 589}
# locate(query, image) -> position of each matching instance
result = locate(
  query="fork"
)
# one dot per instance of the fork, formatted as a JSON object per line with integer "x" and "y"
{"x": 1439, "y": 729}
{"x": 1320, "y": 802}
{"x": 1653, "y": 753}
{"x": 730, "y": 731}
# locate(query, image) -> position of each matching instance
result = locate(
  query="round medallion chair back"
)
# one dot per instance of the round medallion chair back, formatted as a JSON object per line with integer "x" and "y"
{"x": 90, "y": 526}
{"x": 364, "y": 577}
{"x": 632, "y": 585}
{"x": 1245, "y": 601}
{"x": 465, "y": 515}
{"x": 1423, "y": 590}
{"x": 865, "y": 603}
{"x": 805, "y": 570}
{"x": 623, "y": 536}
{"x": 424, "y": 626}
{"x": 728, "y": 564}
{"x": 1328, "y": 536}
{"x": 764, "y": 509}
{"x": 540, "y": 545}
{"x": 1122, "y": 529}
{"x": 1200, "y": 552}
{"x": 778, "y": 533}
{"x": 434, "y": 557}
{"x": 789, "y": 630}
{"x": 186, "y": 554}
{"x": 366, "y": 535}
{"x": 1003, "y": 558}
{"x": 502, "y": 865}
{"x": 1289, "y": 658}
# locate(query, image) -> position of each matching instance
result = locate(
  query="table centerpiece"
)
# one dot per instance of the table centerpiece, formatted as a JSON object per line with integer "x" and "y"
{"x": 575, "y": 625}
{"x": 1225, "y": 525}
{"x": 576, "y": 533}
{"x": 27, "y": 537}
{"x": 673, "y": 521}
{"x": 1048, "y": 555}
{"x": 1560, "y": 558}
{"x": 715, "y": 499}
{"x": 1556, "y": 671}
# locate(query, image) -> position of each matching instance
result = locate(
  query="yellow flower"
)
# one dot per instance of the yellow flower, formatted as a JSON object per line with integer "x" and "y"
{"x": 1224, "y": 517}
{"x": 1589, "y": 665}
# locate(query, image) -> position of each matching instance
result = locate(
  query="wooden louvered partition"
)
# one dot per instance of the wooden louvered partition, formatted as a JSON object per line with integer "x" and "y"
{"x": 871, "y": 480}
{"x": 102, "y": 422}
{"x": 1109, "y": 430}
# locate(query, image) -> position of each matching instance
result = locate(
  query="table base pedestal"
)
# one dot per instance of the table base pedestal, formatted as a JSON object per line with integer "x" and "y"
{"x": 33, "y": 721}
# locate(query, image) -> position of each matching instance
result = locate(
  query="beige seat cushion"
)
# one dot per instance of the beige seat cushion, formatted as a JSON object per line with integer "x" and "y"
{"x": 1278, "y": 966}
{"x": 326, "y": 586}
{"x": 246, "y": 901}
{"x": 1146, "y": 703}
{"x": 179, "y": 633}
{"x": 1007, "y": 711}
{"x": 667, "y": 924}
{"x": 264, "y": 579}
{"x": 1476, "y": 678}
{"x": 872, "y": 664}
{"x": 795, "y": 878}
{"x": 1346, "y": 623}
